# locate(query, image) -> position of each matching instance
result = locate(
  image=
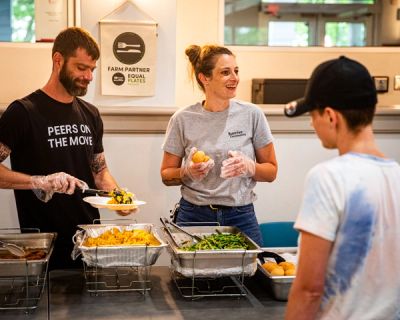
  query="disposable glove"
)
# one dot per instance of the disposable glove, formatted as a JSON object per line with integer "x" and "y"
{"x": 45, "y": 186}
{"x": 237, "y": 165}
{"x": 124, "y": 213}
{"x": 195, "y": 171}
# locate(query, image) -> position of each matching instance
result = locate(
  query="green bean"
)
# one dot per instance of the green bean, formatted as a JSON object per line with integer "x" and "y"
{"x": 219, "y": 241}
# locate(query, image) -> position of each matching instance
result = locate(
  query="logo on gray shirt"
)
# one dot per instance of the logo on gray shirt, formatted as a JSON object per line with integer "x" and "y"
{"x": 235, "y": 134}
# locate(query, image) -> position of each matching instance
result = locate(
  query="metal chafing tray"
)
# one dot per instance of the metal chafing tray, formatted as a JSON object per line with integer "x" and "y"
{"x": 25, "y": 267}
{"x": 116, "y": 256}
{"x": 279, "y": 286}
{"x": 22, "y": 280}
{"x": 211, "y": 263}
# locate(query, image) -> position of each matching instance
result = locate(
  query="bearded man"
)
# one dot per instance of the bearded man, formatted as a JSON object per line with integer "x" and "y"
{"x": 54, "y": 140}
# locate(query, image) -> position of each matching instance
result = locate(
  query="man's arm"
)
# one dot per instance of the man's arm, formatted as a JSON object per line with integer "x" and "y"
{"x": 43, "y": 186}
{"x": 307, "y": 289}
{"x": 102, "y": 176}
{"x": 10, "y": 179}
{"x": 104, "y": 180}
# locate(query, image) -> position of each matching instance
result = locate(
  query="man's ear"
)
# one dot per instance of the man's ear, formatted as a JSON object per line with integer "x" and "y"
{"x": 58, "y": 60}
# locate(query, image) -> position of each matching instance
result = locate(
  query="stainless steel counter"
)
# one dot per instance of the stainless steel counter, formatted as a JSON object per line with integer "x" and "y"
{"x": 69, "y": 299}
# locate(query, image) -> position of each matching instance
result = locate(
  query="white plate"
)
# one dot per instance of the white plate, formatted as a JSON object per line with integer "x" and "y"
{"x": 102, "y": 202}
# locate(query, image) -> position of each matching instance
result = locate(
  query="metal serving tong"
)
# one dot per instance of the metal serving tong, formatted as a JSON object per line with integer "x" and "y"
{"x": 13, "y": 248}
{"x": 95, "y": 192}
{"x": 164, "y": 221}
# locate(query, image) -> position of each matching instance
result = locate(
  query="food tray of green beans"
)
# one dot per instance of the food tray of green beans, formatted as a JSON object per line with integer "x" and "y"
{"x": 222, "y": 251}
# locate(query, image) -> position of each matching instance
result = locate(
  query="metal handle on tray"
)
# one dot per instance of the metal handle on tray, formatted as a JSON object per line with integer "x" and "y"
{"x": 20, "y": 229}
{"x": 77, "y": 233}
{"x": 164, "y": 222}
{"x": 131, "y": 221}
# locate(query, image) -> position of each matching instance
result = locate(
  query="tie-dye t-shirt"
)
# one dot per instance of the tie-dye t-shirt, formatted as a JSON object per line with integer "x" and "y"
{"x": 354, "y": 201}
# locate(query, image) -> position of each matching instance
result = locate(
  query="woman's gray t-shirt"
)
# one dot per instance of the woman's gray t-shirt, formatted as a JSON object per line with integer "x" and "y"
{"x": 241, "y": 127}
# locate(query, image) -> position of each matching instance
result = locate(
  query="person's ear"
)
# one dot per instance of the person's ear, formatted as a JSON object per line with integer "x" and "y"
{"x": 58, "y": 60}
{"x": 203, "y": 79}
{"x": 332, "y": 116}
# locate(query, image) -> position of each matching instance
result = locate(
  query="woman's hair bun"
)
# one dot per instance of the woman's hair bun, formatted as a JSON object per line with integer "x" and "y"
{"x": 193, "y": 53}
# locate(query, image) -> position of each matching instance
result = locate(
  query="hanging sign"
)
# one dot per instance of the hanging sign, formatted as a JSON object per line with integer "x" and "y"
{"x": 128, "y": 58}
{"x": 50, "y": 18}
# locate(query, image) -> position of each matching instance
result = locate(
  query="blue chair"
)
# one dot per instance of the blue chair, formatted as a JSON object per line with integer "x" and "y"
{"x": 279, "y": 234}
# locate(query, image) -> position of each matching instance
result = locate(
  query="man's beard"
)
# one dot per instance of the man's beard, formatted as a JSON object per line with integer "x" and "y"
{"x": 69, "y": 83}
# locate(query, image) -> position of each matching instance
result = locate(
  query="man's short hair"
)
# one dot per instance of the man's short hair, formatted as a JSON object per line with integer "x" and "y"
{"x": 70, "y": 39}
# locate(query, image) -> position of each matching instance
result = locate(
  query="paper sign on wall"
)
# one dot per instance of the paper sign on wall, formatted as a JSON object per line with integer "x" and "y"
{"x": 128, "y": 58}
{"x": 50, "y": 18}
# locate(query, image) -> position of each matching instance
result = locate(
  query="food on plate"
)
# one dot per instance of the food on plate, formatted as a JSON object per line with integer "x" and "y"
{"x": 116, "y": 237}
{"x": 218, "y": 241}
{"x": 121, "y": 196}
{"x": 200, "y": 156}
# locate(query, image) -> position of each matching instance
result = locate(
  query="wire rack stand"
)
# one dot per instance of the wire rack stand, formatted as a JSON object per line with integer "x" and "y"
{"x": 23, "y": 281}
{"x": 196, "y": 287}
{"x": 22, "y": 292}
{"x": 117, "y": 279}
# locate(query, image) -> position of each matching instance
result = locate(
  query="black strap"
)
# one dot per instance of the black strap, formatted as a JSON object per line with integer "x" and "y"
{"x": 268, "y": 254}
{"x": 174, "y": 212}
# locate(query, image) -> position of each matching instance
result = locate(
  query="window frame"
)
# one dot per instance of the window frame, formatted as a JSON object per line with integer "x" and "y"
{"x": 316, "y": 25}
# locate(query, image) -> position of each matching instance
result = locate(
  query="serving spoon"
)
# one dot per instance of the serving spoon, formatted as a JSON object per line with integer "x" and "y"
{"x": 13, "y": 248}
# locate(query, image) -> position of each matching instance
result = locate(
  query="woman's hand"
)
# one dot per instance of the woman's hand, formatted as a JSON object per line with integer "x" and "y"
{"x": 237, "y": 165}
{"x": 196, "y": 171}
{"x": 125, "y": 213}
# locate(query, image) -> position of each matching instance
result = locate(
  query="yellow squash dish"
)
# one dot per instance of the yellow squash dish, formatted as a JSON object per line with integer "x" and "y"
{"x": 115, "y": 237}
{"x": 120, "y": 196}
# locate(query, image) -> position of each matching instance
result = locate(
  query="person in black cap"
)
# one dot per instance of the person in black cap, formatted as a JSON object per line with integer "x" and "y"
{"x": 349, "y": 219}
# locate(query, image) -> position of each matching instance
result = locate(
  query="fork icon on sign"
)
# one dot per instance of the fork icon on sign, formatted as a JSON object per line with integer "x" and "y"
{"x": 123, "y": 45}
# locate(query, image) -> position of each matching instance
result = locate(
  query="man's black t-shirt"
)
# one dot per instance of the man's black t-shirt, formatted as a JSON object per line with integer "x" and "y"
{"x": 46, "y": 136}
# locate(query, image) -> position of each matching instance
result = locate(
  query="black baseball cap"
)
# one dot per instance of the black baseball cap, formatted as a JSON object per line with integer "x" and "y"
{"x": 340, "y": 83}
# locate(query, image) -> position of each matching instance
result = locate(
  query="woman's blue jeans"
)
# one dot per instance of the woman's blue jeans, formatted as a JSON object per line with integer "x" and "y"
{"x": 242, "y": 217}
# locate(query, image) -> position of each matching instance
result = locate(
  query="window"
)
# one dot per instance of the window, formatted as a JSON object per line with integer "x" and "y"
{"x": 288, "y": 33}
{"x": 33, "y": 20}
{"x": 345, "y": 34}
{"x": 300, "y": 23}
